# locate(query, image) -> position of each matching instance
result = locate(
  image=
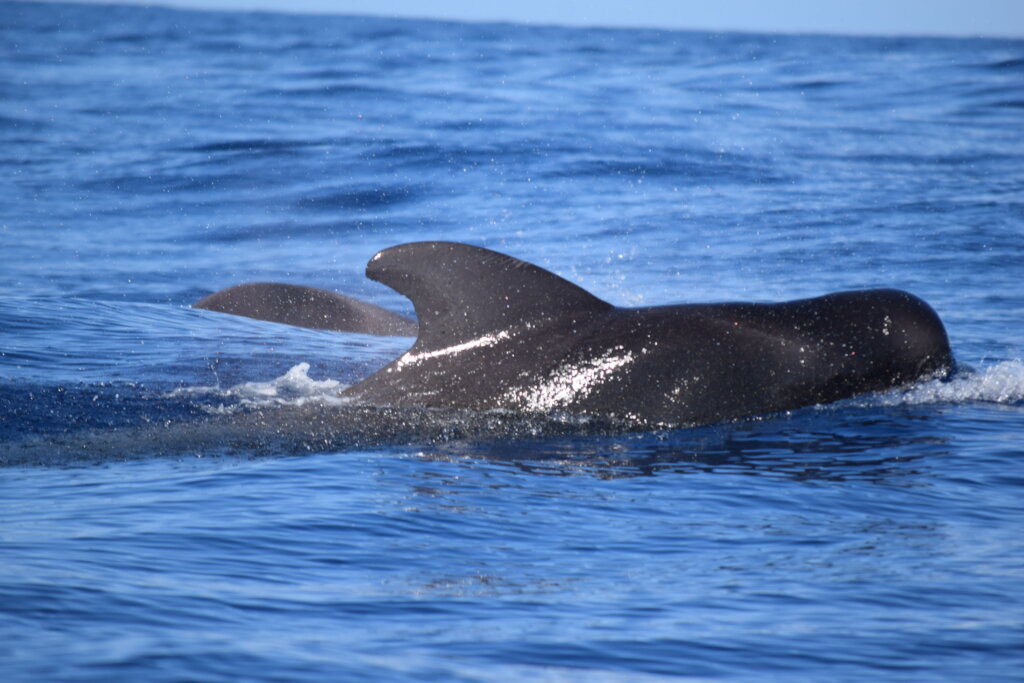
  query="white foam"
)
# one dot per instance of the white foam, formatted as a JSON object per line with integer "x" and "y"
{"x": 999, "y": 383}
{"x": 295, "y": 387}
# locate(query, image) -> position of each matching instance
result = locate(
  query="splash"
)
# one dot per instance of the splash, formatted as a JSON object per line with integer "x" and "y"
{"x": 1000, "y": 383}
{"x": 295, "y": 387}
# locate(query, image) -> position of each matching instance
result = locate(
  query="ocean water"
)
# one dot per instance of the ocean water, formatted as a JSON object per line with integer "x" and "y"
{"x": 182, "y": 498}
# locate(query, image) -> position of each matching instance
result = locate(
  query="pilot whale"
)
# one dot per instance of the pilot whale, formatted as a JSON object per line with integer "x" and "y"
{"x": 495, "y": 332}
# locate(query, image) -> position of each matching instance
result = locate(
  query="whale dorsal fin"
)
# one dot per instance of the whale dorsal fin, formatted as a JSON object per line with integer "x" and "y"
{"x": 461, "y": 292}
{"x": 306, "y": 307}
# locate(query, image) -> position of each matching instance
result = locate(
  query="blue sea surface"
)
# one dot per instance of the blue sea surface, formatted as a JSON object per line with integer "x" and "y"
{"x": 182, "y": 497}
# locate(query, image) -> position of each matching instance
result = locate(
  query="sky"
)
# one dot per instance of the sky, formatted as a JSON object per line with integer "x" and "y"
{"x": 866, "y": 17}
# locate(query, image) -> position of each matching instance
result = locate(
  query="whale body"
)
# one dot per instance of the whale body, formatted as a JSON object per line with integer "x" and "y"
{"x": 495, "y": 332}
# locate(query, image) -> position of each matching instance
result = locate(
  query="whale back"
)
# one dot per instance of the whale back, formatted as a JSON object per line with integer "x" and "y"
{"x": 306, "y": 307}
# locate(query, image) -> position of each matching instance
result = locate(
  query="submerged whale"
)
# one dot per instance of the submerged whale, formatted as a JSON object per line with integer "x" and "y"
{"x": 495, "y": 332}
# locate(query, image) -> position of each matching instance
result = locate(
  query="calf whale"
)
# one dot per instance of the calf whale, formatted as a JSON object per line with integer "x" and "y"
{"x": 495, "y": 332}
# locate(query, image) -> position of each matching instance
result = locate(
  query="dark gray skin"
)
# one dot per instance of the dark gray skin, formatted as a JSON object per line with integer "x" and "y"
{"x": 307, "y": 307}
{"x": 497, "y": 332}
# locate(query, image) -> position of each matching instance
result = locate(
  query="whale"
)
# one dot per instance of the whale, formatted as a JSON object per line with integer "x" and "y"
{"x": 494, "y": 332}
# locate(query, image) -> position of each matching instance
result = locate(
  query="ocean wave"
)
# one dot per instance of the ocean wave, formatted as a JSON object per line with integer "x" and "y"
{"x": 1001, "y": 383}
{"x": 364, "y": 198}
{"x": 294, "y": 388}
